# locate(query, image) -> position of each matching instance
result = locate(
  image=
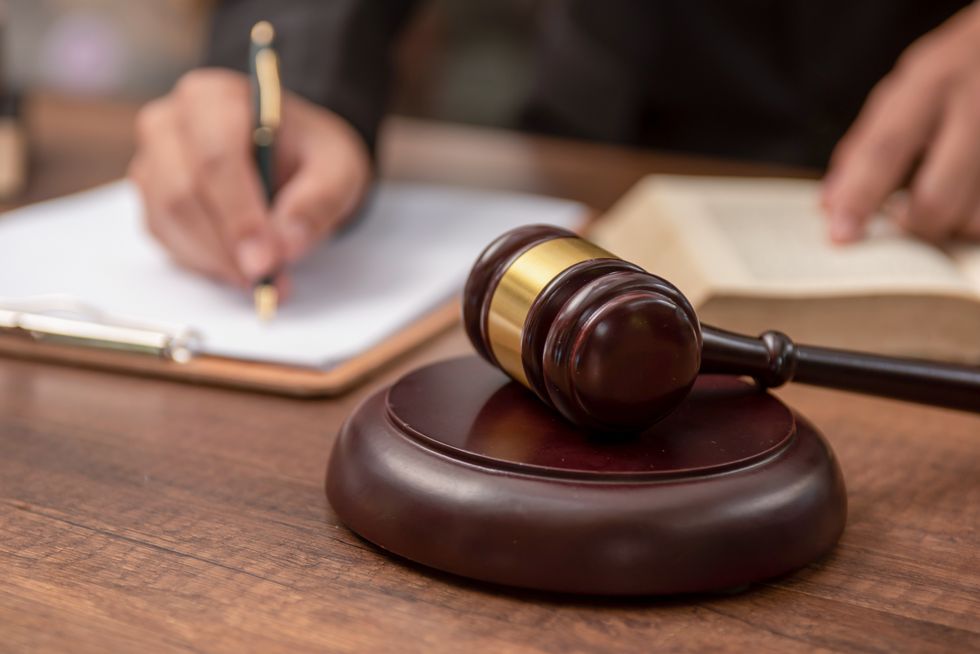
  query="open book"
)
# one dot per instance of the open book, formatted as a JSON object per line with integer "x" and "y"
{"x": 87, "y": 258}
{"x": 752, "y": 255}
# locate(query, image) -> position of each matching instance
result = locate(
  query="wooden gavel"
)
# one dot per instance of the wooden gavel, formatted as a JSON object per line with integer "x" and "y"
{"x": 615, "y": 348}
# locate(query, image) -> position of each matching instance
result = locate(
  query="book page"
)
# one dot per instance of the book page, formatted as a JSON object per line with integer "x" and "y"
{"x": 966, "y": 256}
{"x": 777, "y": 231}
{"x": 409, "y": 253}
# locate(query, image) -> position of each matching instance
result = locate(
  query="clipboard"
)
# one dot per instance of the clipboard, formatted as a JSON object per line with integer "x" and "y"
{"x": 157, "y": 352}
{"x": 83, "y": 284}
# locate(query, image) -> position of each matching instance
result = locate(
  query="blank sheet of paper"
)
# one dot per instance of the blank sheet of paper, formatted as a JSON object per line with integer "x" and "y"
{"x": 409, "y": 253}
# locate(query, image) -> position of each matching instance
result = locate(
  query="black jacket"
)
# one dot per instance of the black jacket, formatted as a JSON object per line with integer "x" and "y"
{"x": 775, "y": 80}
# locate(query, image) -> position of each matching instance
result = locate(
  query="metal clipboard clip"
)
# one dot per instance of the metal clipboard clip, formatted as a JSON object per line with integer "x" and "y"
{"x": 64, "y": 320}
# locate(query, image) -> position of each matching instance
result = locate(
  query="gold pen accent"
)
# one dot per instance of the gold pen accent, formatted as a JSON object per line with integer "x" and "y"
{"x": 263, "y": 33}
{"x": 270, "y": 89}
{"x": 266, "y": 301}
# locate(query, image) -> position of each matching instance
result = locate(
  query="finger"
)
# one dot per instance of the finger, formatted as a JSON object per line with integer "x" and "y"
{"x": 284, "y": 286}
{"x": 174, "y": 211}
{"x": 192, "y": 250}
{"x": 314, "y": 203}
{"x": 220, "y": 156}
{"x": 896, "y": 206}
{"x": 945, "y": 188}
{"x": 187, "y": 235}
{"x": 878, "y": 151}
{"x": 971, "y": 229}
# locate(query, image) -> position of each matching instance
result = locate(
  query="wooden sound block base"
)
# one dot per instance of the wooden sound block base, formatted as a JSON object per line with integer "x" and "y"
{"x": 458, "y": 468}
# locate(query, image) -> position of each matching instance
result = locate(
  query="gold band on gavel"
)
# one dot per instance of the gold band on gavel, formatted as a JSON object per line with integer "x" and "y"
{"x": 520, "y": 286}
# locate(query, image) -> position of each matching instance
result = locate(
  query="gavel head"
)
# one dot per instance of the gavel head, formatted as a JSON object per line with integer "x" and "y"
{"x": 610, "y": 346}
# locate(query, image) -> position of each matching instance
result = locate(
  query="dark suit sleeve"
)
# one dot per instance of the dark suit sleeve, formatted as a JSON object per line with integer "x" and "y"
{"x": 336, "y": 53}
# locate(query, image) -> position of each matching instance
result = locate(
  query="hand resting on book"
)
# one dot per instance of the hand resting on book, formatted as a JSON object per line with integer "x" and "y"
{"x": 927, "y": 109}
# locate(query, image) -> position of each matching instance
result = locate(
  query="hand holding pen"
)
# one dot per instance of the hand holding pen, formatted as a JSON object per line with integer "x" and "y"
{"x": 203, "y": 195}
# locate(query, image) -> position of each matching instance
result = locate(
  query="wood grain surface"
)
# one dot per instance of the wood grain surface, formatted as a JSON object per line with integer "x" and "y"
{"x": 148, "y": 515}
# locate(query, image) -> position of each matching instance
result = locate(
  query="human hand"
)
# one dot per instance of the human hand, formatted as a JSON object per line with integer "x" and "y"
{"x": 927, "y": 109}
{"x": 201, "y": 190}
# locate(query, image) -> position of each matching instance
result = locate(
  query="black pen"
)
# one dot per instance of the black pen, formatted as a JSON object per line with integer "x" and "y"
{"x": 263, "y": 64}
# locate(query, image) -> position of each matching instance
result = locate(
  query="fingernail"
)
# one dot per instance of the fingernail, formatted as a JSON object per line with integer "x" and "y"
{"x": 255, "y": 257}
{"x": 844, "y": 227}
{"x": 296, "y": 238}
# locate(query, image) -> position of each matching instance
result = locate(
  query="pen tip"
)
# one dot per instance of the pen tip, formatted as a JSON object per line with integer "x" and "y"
{"x": 263, "y": 33}
{"x": 266, "y": 301}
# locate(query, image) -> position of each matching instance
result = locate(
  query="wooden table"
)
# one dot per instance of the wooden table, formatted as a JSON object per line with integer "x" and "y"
{"x": 145, "y": 515}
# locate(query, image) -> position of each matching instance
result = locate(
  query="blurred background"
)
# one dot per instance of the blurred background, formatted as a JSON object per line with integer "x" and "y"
{"x": 460, "y": 60}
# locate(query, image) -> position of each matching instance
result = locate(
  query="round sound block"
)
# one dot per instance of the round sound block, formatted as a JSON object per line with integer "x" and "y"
{"x": 458, "y": 468}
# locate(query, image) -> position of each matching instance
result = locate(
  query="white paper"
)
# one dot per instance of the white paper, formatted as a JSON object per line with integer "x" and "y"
{"x": 410, "y": 252}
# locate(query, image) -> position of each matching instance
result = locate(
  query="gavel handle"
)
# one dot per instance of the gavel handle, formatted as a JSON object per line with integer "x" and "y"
{"x": 773, "y": 359}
